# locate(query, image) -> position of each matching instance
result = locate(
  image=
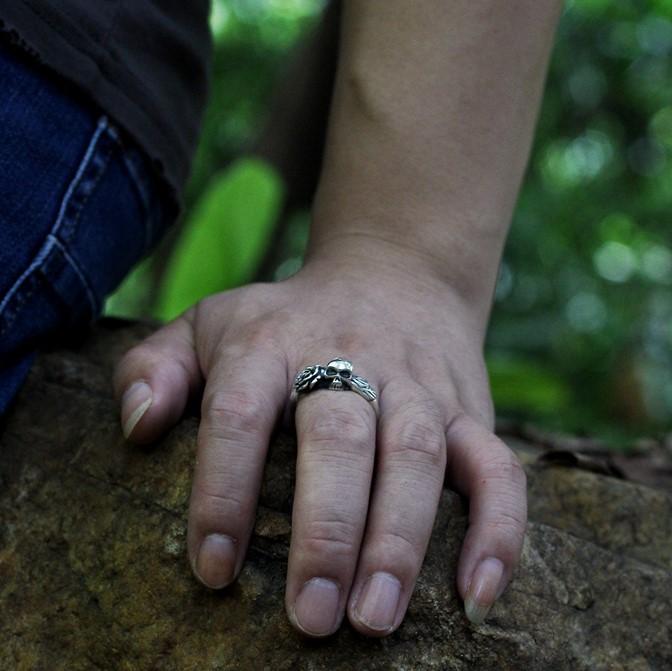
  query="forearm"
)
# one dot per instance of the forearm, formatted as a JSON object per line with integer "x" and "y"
{"x": 431, "y": 125}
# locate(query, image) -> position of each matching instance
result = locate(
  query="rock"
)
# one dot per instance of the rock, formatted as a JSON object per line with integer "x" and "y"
{"x": 93, "y": 569}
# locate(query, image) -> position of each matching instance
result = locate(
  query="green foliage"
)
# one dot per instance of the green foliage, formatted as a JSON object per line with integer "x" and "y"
{"x": 225, "y": 237}
{"x": 252, "y": 37}
{"x": 581, "y": 334}
{"x": 585, "y": 284}
{"x": 132, "y": 299}
{"x": 526, "y": 388}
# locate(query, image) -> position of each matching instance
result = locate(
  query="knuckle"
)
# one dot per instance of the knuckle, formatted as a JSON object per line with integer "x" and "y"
{"x": 504, "y": 466}
{"x": 208, "y": 308}
{"x": 480, "y": 407}
{"x": 137, "y": 363}
{"x": 239, "y": 411}
{"x": 418, "y": 438}
{"x": 506, "y": 523}
{"x": 329, "y": 537}
{"x": 419, "y": 441}
{"x": 401, "y": 544}
{"x": 517, "y": 472}
{"x": 210, "y": 511}
{"x": 262, "y": 332}
{"x": 352, "y": 342}
{"x": 140, "y": 355}
{"x": 340, "y": 427}
{"x": 182, "y": 366}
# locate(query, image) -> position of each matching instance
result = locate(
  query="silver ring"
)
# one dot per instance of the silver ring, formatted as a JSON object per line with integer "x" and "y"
{"x": 337, "y": 375}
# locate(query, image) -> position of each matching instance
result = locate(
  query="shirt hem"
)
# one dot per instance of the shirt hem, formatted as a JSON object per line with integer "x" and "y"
{"x": 111, "y": 100}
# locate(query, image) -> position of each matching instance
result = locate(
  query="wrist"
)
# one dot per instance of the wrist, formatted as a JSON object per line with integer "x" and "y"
{"x": 405, "y": 270}
{"x": 469, "y": 274}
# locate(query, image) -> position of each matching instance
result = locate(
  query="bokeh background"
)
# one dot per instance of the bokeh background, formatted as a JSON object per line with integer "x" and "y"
{"x": 581, "y": 333}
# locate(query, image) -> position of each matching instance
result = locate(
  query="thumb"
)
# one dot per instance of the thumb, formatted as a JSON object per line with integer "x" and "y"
{"x": 154, "y": 379}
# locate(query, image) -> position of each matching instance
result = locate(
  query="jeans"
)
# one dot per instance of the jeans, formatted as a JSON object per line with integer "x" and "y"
{"x": 80, "y": 204}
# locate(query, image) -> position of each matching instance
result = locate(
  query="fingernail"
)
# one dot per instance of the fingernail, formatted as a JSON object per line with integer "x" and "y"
{"x": 216, "y": 561}
{"x": 316, "y": 608}
{"x": 134, "y": 404}
{"x": 378, "y": 601}
{"x": 483, "y": 589}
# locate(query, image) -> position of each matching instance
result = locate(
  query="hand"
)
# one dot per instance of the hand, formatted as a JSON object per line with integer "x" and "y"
{"x": 357, "y": 543}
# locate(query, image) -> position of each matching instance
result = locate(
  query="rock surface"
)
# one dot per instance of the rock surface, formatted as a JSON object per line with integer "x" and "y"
{"x": 93, "y": 569}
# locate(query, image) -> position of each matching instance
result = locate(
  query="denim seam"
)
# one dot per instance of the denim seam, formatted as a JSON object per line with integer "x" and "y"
{"x": 139, "y": 183}
{"x": 7, "y": 320}
{"x": 136, "y": 179}
{"x": 49, "y": 243}
{"x": 79, "y": 272}
{"x": 72, "y": 221}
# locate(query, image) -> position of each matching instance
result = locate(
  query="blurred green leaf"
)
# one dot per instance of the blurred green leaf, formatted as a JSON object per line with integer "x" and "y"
{"x": 131, "y": 299}
{"x": 225, "y": 236}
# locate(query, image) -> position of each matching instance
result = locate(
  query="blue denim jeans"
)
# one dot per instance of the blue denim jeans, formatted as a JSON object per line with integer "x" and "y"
{"x": 79, "y": 205}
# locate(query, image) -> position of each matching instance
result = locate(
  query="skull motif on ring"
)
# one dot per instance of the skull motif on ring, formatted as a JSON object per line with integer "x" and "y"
{"x": 339, "y": 374}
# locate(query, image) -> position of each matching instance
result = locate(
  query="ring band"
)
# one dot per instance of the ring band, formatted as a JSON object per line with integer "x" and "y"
{"x": 337, "y": 375}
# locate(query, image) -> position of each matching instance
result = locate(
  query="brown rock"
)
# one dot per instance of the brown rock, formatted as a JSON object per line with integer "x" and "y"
{"x": 93, "y": 569}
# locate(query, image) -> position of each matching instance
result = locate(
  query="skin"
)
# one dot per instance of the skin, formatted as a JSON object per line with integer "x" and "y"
{"x": 430, "y": 129}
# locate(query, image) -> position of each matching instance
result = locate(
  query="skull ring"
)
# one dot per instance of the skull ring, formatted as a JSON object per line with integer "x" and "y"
{"x": 337, "y": 375}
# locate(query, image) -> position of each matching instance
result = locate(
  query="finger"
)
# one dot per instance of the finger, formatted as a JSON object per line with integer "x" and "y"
{"x": 484, "y": 469}
{"x": 154, "y": 379}
{"x": 244, "y": 394}
{"x": 409, "y": 477}
{"x": 336, "y": 449}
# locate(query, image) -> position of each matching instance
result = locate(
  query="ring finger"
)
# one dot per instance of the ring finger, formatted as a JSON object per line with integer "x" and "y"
{"x": 336, "y": 449}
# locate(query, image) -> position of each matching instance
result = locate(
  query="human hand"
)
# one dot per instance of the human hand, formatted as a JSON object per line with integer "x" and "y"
{"x": 418, "y": 344}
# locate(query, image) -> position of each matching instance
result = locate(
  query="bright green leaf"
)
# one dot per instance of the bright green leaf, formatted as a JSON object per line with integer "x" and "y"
{"x": 225, "y": 237}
